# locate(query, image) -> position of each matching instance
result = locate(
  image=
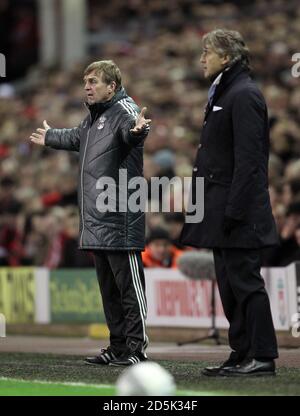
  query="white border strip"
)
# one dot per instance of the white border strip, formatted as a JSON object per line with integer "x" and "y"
{"x": 42, "y": 295}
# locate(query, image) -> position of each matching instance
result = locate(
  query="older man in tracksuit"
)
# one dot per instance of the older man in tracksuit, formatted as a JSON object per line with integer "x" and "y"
{"x": 233, "y": 159}
{"x": 109, "y": 141}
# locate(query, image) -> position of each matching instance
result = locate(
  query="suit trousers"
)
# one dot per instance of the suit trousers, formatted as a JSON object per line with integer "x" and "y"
{"x": 122, "y": 286}
{"x": 246, "y": 303}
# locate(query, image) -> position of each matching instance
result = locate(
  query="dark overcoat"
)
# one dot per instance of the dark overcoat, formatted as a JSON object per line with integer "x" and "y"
{"x": 233, "y": 157}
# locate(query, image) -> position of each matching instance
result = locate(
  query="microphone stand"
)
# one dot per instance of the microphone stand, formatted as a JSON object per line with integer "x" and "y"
{"x": 213, "y": 332}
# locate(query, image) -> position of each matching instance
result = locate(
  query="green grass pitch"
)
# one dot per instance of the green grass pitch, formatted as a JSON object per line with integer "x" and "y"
{"x": 62, "y": 375}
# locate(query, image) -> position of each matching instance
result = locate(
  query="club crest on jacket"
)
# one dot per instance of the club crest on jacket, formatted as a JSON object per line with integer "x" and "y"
{"x": 101, "y": 122}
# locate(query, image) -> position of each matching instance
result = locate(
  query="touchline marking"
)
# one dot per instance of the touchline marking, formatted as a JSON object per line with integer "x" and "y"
{"x": 204, "y": 393}
{"x": 61, "y": 383}
{"x": 112, "y": 386}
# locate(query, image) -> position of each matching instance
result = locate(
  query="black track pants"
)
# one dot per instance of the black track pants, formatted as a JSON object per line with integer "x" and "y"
{"x": 122, "y": 286}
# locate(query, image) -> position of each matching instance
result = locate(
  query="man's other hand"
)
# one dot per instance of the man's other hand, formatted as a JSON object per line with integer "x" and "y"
{"x": 230, "y": 224}
{"x": 39, "y": 137}
{"x": 141, "y": 122}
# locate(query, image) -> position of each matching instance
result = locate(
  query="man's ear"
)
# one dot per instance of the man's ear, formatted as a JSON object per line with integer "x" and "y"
{"x": 112, "y": 86}
{"x": 225, "y": 60}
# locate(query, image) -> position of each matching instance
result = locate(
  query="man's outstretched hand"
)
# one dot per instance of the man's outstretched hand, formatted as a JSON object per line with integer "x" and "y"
{"x": 141, "y": 122}
{"x": 39, "y": 137}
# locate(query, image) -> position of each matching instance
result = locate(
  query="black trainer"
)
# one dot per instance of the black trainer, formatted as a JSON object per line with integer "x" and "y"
{"x": 133, "y": 358}
{"x": 104, "y": 358}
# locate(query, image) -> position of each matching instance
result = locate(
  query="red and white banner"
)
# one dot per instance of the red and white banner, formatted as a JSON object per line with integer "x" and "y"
{"x": 176, "y": 301}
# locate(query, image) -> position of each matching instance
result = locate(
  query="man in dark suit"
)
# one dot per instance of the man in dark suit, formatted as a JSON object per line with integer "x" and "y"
{"x": 233, "y": 159}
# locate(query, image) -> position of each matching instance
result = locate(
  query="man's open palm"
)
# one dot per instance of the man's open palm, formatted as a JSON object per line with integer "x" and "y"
{"x": 39, "y": 137}
{"x": 141, "y": 122}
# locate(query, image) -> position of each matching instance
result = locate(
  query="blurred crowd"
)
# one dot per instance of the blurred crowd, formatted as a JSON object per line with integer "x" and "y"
{"x": 157, "y": 45}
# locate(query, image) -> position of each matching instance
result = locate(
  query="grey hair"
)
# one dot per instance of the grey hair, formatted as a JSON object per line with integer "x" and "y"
{"x": 228, "y": 43}
{"x": 109, "y": 71}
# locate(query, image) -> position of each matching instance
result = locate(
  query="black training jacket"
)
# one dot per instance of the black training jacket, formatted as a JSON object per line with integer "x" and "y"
{"x": 106, "y": 146}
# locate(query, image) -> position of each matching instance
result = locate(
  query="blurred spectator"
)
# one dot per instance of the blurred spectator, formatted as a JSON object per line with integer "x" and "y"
{"x": 35, "y": 241}
{"x": 291, "y": 191}
{"x": 165, "y": 162}
{"x": 8, "y": 202}
{"x": 174, "y": 222}
{"x": 162, "y": 71}
{"x": 11, "y": 249}
{"x": 289, "y": 249}
{"x": 71, "y": 256}
{"x": 160, "y": 252}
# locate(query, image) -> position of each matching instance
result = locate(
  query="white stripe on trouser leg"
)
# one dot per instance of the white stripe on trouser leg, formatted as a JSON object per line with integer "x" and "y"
{"x": 138, "y": 296}
{"x": 135, "y": 262}
{"x": 139, "y": 283}
{"x": 143, "y": 300}
{"x": 138, "y": 287}
{"x": 146, "y": 342}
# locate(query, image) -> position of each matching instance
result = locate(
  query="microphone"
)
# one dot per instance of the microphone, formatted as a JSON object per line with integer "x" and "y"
{"x": 197, "y": 265}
